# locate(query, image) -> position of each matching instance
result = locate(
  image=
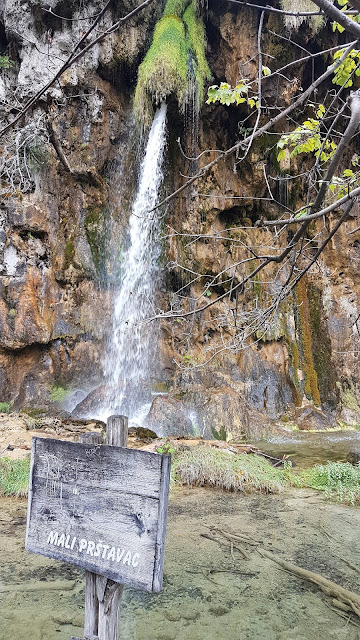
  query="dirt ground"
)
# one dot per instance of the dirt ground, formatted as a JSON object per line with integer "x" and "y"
{"x": 204, "y": 595}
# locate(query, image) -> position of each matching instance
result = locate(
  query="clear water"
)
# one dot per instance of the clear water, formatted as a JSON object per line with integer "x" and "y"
{"x": 307, "y": 449}
{"x": 209, "y": 593}
{"x": 129, "y": 359}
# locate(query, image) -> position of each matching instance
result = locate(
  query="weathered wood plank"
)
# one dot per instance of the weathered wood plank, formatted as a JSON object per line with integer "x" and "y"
{"x": 97, "y": 465}
{"x": 91, "y": 606}
{"x": 98, "y": 526}
{"x": 161, "y": 531}
{"x": 109, "y": 611}
{"x": 117, "y": 431}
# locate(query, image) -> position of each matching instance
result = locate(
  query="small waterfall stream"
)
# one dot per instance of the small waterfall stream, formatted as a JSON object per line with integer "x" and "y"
{"x": 130, "y": 354}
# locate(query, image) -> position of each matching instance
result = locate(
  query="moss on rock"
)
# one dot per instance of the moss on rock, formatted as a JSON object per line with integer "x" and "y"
{"x": 176, "y": 57}
{"x": 311, "y": 388}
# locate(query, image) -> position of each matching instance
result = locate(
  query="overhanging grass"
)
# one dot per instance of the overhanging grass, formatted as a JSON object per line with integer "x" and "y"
{"x": 175, "y": 7}
{"x": 175, "y": 62}
{"x": 164, "y": 69}
{"x": 196, "y": 42}
{"x": 14, "y": 477}
{"x": 203, "y": 466}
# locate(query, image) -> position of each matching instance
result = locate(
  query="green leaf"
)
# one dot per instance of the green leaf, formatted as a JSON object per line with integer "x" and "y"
{"x": 266, "y": 71}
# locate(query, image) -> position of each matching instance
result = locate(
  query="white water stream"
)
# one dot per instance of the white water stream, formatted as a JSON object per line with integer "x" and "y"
{"x": 130, "y": 356}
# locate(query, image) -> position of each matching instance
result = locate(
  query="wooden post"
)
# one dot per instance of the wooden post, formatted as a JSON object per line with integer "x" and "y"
{"x": 103, "y": 596}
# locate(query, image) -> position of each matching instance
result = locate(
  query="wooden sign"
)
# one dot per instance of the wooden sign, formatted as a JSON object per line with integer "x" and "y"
{"x": 101, "y": 508}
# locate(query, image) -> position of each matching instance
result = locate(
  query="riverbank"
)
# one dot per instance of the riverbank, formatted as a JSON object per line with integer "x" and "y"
{"x": 209, "y": 591}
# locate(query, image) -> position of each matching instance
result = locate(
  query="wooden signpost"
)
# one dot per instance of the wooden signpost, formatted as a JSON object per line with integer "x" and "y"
{"x": 102, "y": 508}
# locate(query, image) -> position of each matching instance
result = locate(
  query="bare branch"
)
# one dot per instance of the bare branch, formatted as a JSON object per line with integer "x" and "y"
{"x": 74, "y": 57}
{"x": 242, "y": 144}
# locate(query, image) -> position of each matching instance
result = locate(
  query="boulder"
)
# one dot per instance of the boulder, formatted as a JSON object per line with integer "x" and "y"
{"x": 353, "y": 456}
{"x": 168, "y": 416}
{"x": 309, "y": 419}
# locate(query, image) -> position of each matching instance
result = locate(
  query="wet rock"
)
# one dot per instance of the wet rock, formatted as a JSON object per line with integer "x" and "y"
{"x": 310, "y": 418}
{"x": 353, "y": 456}
{"x": 168, "y": 416}
{"x": 91, "y": 402}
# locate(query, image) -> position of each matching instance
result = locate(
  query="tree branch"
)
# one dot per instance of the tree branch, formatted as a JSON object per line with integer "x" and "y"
{"x": 224, "y": 154}
{"x": 75, "y": 57}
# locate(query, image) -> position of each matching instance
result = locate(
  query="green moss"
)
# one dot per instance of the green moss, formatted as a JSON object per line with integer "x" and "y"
{"x": 321, "y": 346}
{"x": 95, "y": 223}
{"x": 348, "y": 396}
{"x": 175, "y": 7}
{"x": 196, "y": 44}
{"x": 12, "y": 313}
{"x": 14, "y": 477}
{"x": 175, "y": 58}
{"x": 219, "y": 435}
{"x": 164, "y": 69}
{"x": 311, "y": 388}
{"x": 69, "y": 253}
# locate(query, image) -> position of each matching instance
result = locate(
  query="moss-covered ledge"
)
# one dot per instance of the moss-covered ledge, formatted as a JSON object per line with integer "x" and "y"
{"x": 175, "y": 63}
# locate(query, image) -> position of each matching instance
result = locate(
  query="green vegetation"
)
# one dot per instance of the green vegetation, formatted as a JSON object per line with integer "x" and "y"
{"x": 5, "y": 407}
{"x": 339, "y": 480}
{"x": 6, "y": 62}
{"x": 166, "y": 448}
{"x": 58, "y": 394}
{"x": 175, "y": 7}
{"x": 14, "y": 477}
{"x": 176, "y": 57}
{"x": 311, "y": 388}
{"x": 203, "y": 466}
{"x": 95, "y": 229}
{"x": 69, "y": 253}
{"x": 219, "y": 435}
{"x": 227, "y": 95}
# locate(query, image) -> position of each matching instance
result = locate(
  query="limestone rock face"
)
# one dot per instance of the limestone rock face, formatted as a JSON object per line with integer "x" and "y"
{"x": 62, "y": 234}
{"x": 168, "y": 416}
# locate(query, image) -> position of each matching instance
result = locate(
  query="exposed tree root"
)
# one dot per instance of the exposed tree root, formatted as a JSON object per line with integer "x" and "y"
{"x": 344, "y": 596}
{"x": 346, "y": 617}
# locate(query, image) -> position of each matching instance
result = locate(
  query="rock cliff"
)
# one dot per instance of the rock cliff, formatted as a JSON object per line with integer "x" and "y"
{"x": 62, "y": 225}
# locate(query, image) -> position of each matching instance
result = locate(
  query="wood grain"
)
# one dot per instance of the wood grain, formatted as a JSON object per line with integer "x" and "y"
{"x": 99, "y": 507}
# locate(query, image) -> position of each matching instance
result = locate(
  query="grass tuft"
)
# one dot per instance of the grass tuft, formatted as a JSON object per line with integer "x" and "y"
{"x": 203, "y": 466}
{"x": 14, "y": 477}
{"x": 5, "y": 407}
{"x": 339, "y": 480}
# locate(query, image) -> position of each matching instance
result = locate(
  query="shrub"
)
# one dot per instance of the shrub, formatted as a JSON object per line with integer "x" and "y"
{"x": 5, "y": 407}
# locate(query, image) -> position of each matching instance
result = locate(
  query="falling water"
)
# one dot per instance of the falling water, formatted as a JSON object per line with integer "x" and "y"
{"x": 130, "y": 356}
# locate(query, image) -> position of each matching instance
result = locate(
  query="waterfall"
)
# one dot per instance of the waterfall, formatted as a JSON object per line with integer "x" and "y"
{"x": 131, "y": 349}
